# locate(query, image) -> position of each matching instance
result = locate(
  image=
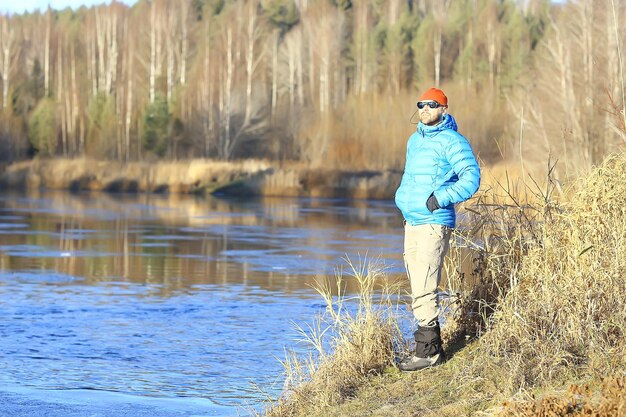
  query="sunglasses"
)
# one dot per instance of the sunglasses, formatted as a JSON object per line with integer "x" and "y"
{"x": 431, "y": 104}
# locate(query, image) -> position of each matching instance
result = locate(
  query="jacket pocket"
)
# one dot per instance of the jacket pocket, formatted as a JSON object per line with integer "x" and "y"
{"x": 417, "y": 202}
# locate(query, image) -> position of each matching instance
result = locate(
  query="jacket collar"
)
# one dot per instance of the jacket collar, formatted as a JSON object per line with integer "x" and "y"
{"x": 448, "y": 122}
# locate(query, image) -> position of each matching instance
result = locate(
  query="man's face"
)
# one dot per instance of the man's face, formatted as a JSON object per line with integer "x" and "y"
{"x": 428, "y": 115}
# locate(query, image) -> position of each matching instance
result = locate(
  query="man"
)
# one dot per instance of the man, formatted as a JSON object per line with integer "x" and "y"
{"x": 440, "y": 171}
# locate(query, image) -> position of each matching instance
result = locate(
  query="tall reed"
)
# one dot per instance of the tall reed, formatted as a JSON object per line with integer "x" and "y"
{"x": 502, "y": 224}
{"x": 354, "y": 339}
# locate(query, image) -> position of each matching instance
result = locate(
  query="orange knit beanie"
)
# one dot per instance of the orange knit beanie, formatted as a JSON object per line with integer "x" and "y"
{"x": 436, "y": 95}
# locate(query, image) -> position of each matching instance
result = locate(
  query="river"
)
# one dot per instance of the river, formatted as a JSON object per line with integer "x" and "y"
{"x": 174, "y": 303}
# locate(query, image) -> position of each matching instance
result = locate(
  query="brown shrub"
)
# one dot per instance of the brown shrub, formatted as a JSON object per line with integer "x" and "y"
{"x": 578, "y": 401}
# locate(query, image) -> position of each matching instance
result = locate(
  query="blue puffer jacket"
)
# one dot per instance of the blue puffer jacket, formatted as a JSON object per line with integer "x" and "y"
{"x": 439, "y": 160}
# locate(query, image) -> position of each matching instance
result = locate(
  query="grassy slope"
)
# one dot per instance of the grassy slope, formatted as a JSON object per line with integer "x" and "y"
{"x": 554, "y": 275}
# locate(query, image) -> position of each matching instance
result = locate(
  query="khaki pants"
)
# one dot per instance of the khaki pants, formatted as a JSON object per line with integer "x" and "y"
{"x": 424, "y": 249}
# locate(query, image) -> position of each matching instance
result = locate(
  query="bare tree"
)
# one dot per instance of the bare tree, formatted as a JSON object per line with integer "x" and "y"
{"x": 78, "y": 143}
{"x": 293, "y": 49}
{"x": 61, "y": 94}
{"x": 395, "y": 51}
{"x": 274, "y": 101}
{"x": 493, "y": 42}
{"x": 184, "y": 16}
{"x": 440, "y": 14}
{"x": 156, "y": 33}
{"x": 253, "y": 35}
{"x": 102, "y": 43}
{"x": 9, "y": 51}
{"x": 206, "y": 93}
{"x": 363, "y": 70}
{"x": 46, "y": 65}
{"x": 113, "y": 48}
{"x": 325, "y": 30}
{"x": 577, "y": 62}
{"x": 228, "y": 75}
{"x": 130, "y": 60}
{"x": 171, "y": 35}
{"x": 324, "y": 25}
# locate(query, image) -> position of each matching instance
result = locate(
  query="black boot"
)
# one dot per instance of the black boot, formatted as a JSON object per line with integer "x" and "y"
{"x": 428, "y": 350}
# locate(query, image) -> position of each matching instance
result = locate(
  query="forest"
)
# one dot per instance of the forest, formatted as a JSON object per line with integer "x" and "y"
{"x": 329, "y": 83}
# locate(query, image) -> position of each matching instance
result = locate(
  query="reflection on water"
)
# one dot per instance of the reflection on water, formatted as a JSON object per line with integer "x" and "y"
{"x": 180, "y": 241}
{"x": 170, "y": 296}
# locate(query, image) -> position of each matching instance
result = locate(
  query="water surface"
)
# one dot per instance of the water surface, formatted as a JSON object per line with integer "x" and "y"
{"x": 170, "y": 297}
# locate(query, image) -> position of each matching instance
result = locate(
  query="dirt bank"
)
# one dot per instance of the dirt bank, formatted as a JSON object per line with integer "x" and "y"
{"x": 198, "y": 176}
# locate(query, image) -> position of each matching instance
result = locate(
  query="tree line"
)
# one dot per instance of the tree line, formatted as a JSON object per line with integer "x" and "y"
{"x": 323, "y": 82}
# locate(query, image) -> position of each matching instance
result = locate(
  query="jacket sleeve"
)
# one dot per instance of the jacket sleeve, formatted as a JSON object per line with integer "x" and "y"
{"x": 463, "y": 162}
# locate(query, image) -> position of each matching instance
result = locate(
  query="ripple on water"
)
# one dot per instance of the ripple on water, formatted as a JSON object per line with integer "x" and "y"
{"x": 35, "y": 251}
{"x": 38, "y": 277}
{"x": 113, "y": 337}
{"x": 13, "y": 225}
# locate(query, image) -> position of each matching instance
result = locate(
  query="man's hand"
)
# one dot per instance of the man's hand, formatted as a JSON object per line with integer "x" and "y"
{"x": 432, "y": 204}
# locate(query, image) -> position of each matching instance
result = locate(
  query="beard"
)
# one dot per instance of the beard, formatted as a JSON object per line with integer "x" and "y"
{"x": 430, "y": 119}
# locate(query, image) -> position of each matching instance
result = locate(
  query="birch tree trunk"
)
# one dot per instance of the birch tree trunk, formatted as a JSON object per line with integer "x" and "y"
{"x": 395, "y": 52}
{"x": 113, "y": 50}
{"x": 291, "y": 60}
{"x": 228, "y": 81}
{"x": 60, "y": 96}
{"x": 361, "y": 41}
{"x": 155, "y": 48}
{"x": 184, "y": 14}
{"x": 250, "y": 61}
{"x": 104, "y": 50}
{"x": 170, "y": 54}
{"x": 69, "y": 108}
{"x": 437, "y": 40}
{"x": 130, "y": 54}
{"x": 207, "y": 94}
{"x": 492, "y": 49}
{"x": 299, "y": 65}
{"x": 100, "y": 49}
{"x": 440, "y": 13}
{"x": 75, "y": 112}
{"x": 129, "y": 110}
{"x": 92, "y": 60}
{"x": 7, "y": 41}
{"x": 274, "y": 102}
{"x": 324, "y": 83}
{"x": 46, "y": 60}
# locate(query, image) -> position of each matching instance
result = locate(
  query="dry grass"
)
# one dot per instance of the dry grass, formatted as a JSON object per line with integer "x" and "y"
{"x": 566, "y": 306}
{"x": 201, "y": 176}
{"x": 545, "y": 308}
{"x": 196, "y": 175}
{"x": 578, "y": 401}
{"x": 349, "y": 345}
{"x": 502, "y": 224}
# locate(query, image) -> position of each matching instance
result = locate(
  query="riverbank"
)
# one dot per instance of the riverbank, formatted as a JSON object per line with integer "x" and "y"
{"x": 199, "y": 176}
{"x": 540, "y": 333}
